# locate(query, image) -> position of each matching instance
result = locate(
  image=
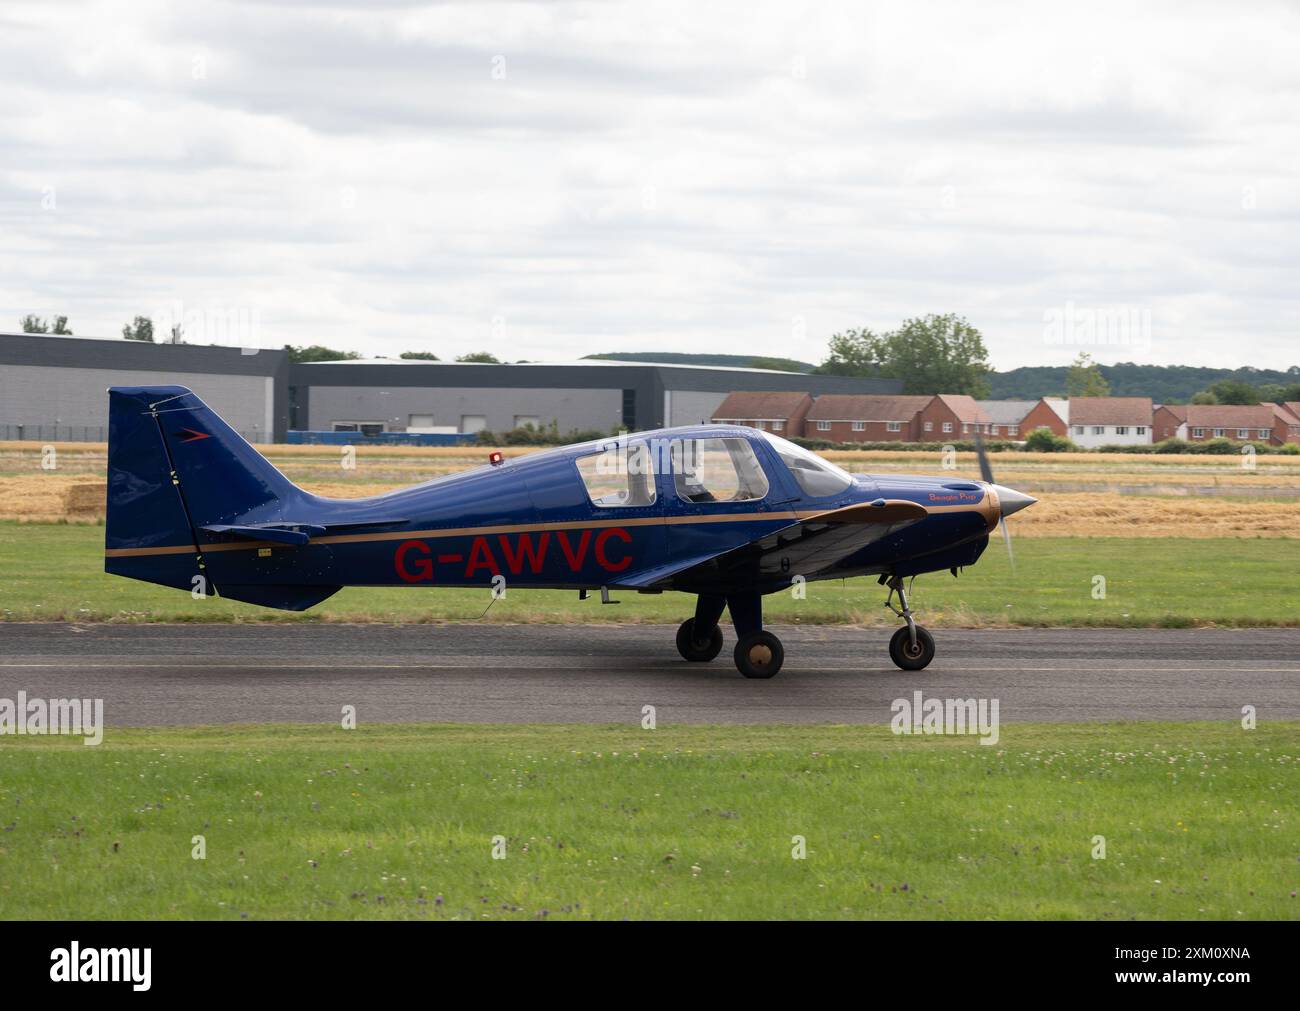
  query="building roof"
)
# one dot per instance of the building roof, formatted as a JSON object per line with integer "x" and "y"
{"x": 760, "y": 405}
{"x": 1230, "y": 415}
{"x": 1110, "y": 411}
{"x": 1179, "y": 411}
{"x": 1288, "y": 414}
{"x": 865, "y": 407}
{"x": 966, "y": 408}
{"x": 1006, "y": 412}
{"x": 1292, "y": 407}
{"x": 1060, "y": 406}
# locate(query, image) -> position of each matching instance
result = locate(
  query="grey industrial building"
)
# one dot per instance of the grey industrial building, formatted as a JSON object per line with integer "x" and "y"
{"x": 53, "y": 388}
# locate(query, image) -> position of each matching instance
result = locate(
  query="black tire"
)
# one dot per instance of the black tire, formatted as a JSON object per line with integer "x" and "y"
{"x": 903, "y": 654}
{"x": 695, "y": 651}
{"x": 759, "y": 655}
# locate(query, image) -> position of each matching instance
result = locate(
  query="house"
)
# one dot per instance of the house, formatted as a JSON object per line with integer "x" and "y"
{"x": 951, "y": 416}
{"x": 1167, "y": 421}
{"x": 842, "y": 417}
{"x": 1052, "y": 413}
{"x": 1271, "y": 423}
{"x": 1110, "y": 421}
{"x": 1006, "y": 417}
{"x": 772, "y": 411}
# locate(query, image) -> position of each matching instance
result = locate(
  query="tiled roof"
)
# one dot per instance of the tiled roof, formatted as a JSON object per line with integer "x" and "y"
{"x": 760, "y": 405}
{"x": 865, "y": 407}
{"x": 1110, "y": 411}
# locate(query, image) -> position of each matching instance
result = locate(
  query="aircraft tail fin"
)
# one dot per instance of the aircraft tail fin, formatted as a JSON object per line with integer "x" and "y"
{"x": 174, "y": 468}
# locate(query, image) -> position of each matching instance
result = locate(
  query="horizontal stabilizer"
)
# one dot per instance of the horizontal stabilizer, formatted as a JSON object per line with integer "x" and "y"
{"x": 282, "y": 533}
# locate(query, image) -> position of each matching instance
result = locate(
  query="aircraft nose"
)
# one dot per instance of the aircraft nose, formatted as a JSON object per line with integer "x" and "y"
{"x": 1012, "y": 501}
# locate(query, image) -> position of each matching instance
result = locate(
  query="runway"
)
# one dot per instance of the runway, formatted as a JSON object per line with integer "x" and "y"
{"x": 153, "y": 675}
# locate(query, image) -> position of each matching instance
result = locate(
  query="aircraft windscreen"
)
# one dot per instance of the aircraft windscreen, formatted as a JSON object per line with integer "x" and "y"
{"x": 816, "y": 476}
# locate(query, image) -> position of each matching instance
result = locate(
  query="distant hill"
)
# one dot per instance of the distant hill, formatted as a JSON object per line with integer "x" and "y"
{"x": 1162, "y": 383}
{"x": 1173, "y": 384}
{"x": 731, "y": 361}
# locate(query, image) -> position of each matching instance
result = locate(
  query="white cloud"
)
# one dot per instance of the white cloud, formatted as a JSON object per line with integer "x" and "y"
{"x": 551, "y": 180}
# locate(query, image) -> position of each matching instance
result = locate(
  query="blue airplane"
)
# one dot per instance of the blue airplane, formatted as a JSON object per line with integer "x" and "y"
{"x": 725, "y": 512}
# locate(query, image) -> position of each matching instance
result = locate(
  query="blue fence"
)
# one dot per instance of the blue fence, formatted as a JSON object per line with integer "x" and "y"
{"x": 303, "y": 438}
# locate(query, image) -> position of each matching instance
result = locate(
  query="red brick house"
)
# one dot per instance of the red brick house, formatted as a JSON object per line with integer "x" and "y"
{"x": 1050, "y": 412}
{"x": 951, "y": 416}
{"x": 1271, "y": 423}
{"x": 1167, "y": 421}
{"x": 782, "y": 413}
{"x": 841, "y": 417}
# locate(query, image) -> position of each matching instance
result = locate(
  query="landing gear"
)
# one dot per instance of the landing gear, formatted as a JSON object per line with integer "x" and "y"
{"x": 912, "y": 647}
{"x": 759, "y": 655}
{"x": 699, "y": 639}
{"x": 698, "y": 650}
{"x": 909, "y": 655}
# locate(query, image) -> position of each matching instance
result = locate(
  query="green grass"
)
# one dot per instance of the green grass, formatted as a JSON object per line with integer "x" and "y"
{"x": 1200, "y": 821}
{"x": 55, "y": 571}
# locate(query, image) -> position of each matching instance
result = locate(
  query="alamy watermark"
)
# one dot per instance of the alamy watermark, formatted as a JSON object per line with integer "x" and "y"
{"x": 919, "y": 715}
{"x": 35, "y": 717}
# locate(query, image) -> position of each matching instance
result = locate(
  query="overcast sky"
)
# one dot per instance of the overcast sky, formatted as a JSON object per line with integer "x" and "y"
{"x": 546, "y": 181}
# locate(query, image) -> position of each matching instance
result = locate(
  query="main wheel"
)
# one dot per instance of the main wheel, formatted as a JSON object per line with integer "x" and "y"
{"x": 910, "y": 657}
{"x": 759, "y": 655}
{"x": 691, "y": 649}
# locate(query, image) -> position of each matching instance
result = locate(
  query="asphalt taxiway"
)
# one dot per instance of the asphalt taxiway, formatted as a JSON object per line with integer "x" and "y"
{"x": 152, "y": 675}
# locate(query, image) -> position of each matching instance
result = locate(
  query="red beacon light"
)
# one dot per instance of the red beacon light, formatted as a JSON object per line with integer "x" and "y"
{"x": 496, "y": 458}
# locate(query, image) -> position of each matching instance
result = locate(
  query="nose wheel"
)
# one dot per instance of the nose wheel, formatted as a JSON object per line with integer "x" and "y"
{"x": 912, "y": 647}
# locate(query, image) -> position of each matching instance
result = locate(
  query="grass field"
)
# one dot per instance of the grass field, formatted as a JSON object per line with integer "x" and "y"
{"x": 1200, "y": 821}
{"x": 55, "y": 572}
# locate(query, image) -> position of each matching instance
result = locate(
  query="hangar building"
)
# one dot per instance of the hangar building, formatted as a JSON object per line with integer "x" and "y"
{"x": 52, "y": 388}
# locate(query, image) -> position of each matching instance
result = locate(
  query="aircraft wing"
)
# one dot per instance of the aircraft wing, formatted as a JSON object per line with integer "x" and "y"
{"x": 814, "y": 541}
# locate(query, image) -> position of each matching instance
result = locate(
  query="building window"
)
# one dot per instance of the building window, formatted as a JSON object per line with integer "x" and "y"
{"x": 1243, "y": 433}
{"x": 1121, "y": 429}
{"x": 893, "y": 426}
{"x": 1098, "y": 429}
{"x": 1218, "y": 433}
{"x": 1140, "y": 430}
{"x": 823, "y": 426}
{"x": 778, "y": 426}
{"x": 947, "y": 426}
{"x": 929, "y": 426}
{"x": 1013, "y": 430}
{"x": 364, "y": 427}
{"x": 1198, "y": 433}
{"x": 993, "y": 429}
{"x": 1078, "y": 429}
{"x": 965, "y": 429}
{"x": 1264, "y": 433}
{"x": 758, "y": 425}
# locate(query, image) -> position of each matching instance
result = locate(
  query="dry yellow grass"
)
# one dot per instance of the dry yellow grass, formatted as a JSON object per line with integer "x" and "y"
{"x": 54, "y": 498}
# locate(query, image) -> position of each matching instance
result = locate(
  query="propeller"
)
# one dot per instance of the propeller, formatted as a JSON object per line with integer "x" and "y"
{"x": 1011, "y": 501}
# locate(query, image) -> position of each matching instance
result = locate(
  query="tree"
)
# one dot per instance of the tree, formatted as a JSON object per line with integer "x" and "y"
{"x": 318, "y": 353}
{"x": 34, "y": 324}
{"x": 485, "y": 357}
{"x": 61, "y": 326}
{"x": 424, "y": 356}
{"x": 1233, "y": 391}
{"x": 853, "y": 353}
{"x": 1085, "y": 379}
{"x": 1204, "y": 397}
{"x": 141, "y": 329}
{"x": 930, "y": 354}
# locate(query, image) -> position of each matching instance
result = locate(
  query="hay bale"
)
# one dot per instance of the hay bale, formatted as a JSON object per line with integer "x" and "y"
{"x": 86, "y": 500}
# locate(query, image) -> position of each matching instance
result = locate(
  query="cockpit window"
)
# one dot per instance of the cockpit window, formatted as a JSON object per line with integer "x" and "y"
{"x": 816, "y": 476}
{"x": 620, "y": 477}
{"x": 717, "y": 470}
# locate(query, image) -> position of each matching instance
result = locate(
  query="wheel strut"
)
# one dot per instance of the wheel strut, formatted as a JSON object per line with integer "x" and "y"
{"x": 895, "y": 585}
